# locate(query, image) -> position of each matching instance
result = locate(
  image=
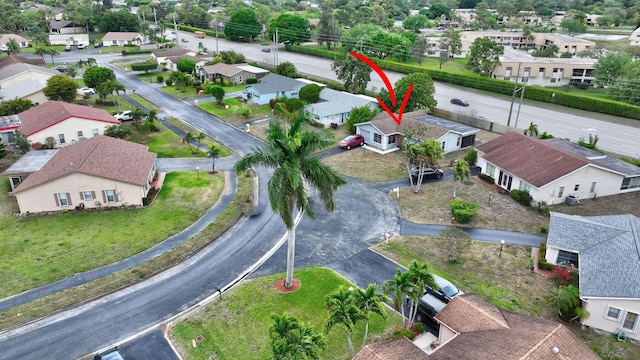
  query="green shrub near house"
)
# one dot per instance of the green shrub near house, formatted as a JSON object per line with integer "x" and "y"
{"x": 463, "y": 211}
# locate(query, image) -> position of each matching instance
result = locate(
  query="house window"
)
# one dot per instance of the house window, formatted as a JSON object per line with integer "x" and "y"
{"x": 444, "y": 143}
{"x": 567, "y": 257}
{"x": 393, "y": 139}
{"x": 109, "y": 196}
{"x": 630, "y": 183}
{"x": 377, "y": 138}
{"x": 542, "y": 70}
{"x": 507, "y": 78}
{"x": 95, "y": 132}
{"x": 63, "y": 199}
{"x": 575, "y": 188}
{"x": 553, "y": 80}
{"x": 79, "y": 134}
{"x": 593, "y": 187}
{"x": 527, "y": 69}
{"x": 491, "y": 169}
{"x": 87, "y": 195}
{"x": 560, "y": 192}
{"x": 630, "y": 321}
{"x": 525, "y": 187}
{"x": 61, "y": 138}
{"x": 613, "y": 313}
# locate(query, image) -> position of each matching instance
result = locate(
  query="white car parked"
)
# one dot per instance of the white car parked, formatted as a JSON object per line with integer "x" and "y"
{"x": 86, "y": 91}
{"x": 124, "y": 116}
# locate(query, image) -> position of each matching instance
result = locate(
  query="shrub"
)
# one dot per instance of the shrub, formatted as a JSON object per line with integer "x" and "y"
{"x": 562, "y": 275}
{"x": 402, "y": 332}
{"x": 487, "y": 178}
{"x": 419, "y": 327}
{"x": 169, "y": 82}
{"x": 159, "y": 78}
{"x": 523, "y": 197}
{"x": 144, "y": 66}
{"x": 635, "y": 162}
{"x": 463, "y": 210}
{"x": 472, "y": 157}
{"x": 251, "y": 81}
{"x": 543, "y": 208}
{"x": 542, "y": 262}
{"x": 544, "y": 230}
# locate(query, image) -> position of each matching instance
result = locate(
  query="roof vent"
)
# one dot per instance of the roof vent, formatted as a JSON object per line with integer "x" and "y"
{"x": 555, "y": 350}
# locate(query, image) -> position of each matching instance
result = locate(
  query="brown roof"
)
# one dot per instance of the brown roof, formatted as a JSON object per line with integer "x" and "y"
{"x": 388, "y": 126}
{"x": 4, "y": 38}
{"x": 100, "y": 156}
{"x": 486, "y": 332}
{"x": 174, "y": 51}
{"x": 113, "y": 35}
{"x": 222, "y": 69}
{"x": 531, "y": 159}
{"x": 396, "y": 349}
{"x": 50, "y": 113}
{"x": 176, "y": 59}
{"x": 9, "y": 60}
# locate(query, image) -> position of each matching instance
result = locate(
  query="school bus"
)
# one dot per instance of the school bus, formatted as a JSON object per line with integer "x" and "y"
{"x": 199, "y": 34}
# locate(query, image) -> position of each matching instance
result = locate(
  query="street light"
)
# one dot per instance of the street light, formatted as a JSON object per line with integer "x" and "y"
{"x": 501, "y": 245}
{"x": 198, "y": 171}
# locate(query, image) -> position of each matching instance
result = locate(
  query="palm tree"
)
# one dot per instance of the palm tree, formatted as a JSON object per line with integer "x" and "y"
{"x": 293, "y": 340}
{"x": 144, "y": 128}
{"x": 370, "y": 301}
{"x": 189, "y": 137}
{"x": 427, "y": 153}
{"x": 343, "y": 311}
{"x": 291, "y": 152}
{"x": 214, "y": 153}
{"x": 460, "y": 173}
{"x": 418, "y": 275}
{"x": 13, "y": 47}
{"x": 282, "y": 324}
{"x": 53, "y": 52}
{"x": 397, "y": 286}
{"x": 40, "y": 51}
{"x": 532, "y": 130}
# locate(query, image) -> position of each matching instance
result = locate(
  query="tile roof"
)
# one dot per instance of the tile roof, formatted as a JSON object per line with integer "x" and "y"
{"x": 607, "y": 246}
{"x": 388, "y": 126}
{"x": 100, "y": 156}
{"x": 50, "y": 113}
{"x": 395, "y": 349}
{"x": 533, "y": 160}
{"x": 486, "y": 332}
{"x": 222, "y": 69}
{"x": 276, "y": 83}
{"x": 174, "y": 51}
{"x": 114, "y": 35}
{"x": 4, "y": 38}
{"x": 12, "y": 70}
{"x": 8, "y": 60}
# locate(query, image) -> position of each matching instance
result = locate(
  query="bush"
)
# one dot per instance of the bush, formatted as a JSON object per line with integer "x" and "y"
{"x": 419, "y": 327}
{"x": 169, "y": 82}
{"x": 159, "y": 78}
{"x": 463, "y": 210}
{"x": 251, "y": 81}
{"x": 542, "y": 262}
{"x": 544, "y": 230}
{"x": 144, "y": 66}
{"x": 487, "y": 178}
{"x": 472, "y": 157}
{"x": 543, "y": 208}
{"x": 523, "y": 197}
{"x": 402, "y": 332}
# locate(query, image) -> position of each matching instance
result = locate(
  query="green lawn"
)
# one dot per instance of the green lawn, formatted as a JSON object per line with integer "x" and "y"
{"x": 236, "y": 326}
{"x": 231, "y": 114}
{"x": 36, "y": 250}
{"x": 188, "y": 93}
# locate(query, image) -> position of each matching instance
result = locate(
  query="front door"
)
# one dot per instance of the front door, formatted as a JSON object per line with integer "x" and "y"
{"x": 504, "y": 180}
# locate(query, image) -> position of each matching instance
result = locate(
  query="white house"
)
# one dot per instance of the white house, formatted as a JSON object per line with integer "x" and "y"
{"x": 634, "y": 38}
{"x": 69, "y": 39}
{"x": 22, "y": 42}
{"x": 123, "y": 38}
{"x": 334, "y": 107}
{"x": 272, "y": 86}
{"x": 606, "y": 251}
{"x": 553, "y": 169}
{"x": 62, "y": 123}
{"x": 24, "y": 81}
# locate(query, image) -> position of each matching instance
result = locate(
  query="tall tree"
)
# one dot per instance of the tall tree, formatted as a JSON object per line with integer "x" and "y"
{"x": 290, "y": 150}
{"x": 609, "y": 68}
{"x": 354, "y": 73}
{"x": 243, "y": 26}
{"x": 286, "y": 69}
{"x": 292, "y": 29}
{"x": 214, "y": 153}
{"x": 292, "y": 340}
{"x": 328, "y": 29}
{"x": 460, "y": 173}
{"x": 424, "y": 154}
{"x": 421, "y": 97}
{"x": 398, "y": 287}
{"x": 370, "y": 301}
{"x": 60, "y": 88}
{"x": 451, "y": 42}
{"x": 13, "y": 48}
{"x": 344, "y": 312}
{"x": 418, "y": 275}
{"x": 121, "y": 21}
{"x": 96, "y": 75}
{"x": 484, "y": 56}
{"x": 15, "y": 106}
{"x": 419, "y": 49}
{"x": 416, "y": 22}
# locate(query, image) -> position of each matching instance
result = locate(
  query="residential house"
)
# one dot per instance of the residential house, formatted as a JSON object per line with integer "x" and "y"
{"x": 8, "y": 125}
{"x": 233, "y": 73}
{"x": 22, "y": 42}
{"x": 518, "y": 65}
{"x": 553, "y": 169}
{"x": 470, "y": 327}
{"x": 383, "y": 134}
{"x": 606, "y": 252}
{"x": 29, "y": 163}
{"x": 11, "y": 59}
{"x": 171, "y": 62}
{"x": 123, "y": 38}
{"x": 161, "y": 56}
{"x": 69, "y": 39}
{"x": 61, "y": 124}
{"x": 272, "y": 86}
{"x": 95, "y": 172}
{"x": 634, "y": 38}
{"x": 62, "y": 27}
{"x": 24, "y": 81}
{"x": 334, "y": 107}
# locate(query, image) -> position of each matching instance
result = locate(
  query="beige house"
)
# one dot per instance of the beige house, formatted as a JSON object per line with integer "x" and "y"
{"x": 66, "y": 27}
{"x": 517, "y": 40}
{"x": 554, "y": 169}
{"x": 161, "y": 56}
{"x": 96, "y": 172}
{"x": 24, "y": 81}
{"x": 171, "y": 62}
{"x": 123, "y": 38}
{"x": 236, "y": 73}
{"x": 634, "y": 38}
{"x": 69, "y": 39}
{"x": 471, "y": 328}
{"x": 606, "y": 252}
{"x": 4, "y": 39}
{"x": 61, "y": 124}
{"x": 544, "y": 71}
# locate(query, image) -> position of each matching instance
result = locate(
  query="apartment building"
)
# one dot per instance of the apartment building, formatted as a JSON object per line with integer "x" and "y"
{"x": 517, "y": 40}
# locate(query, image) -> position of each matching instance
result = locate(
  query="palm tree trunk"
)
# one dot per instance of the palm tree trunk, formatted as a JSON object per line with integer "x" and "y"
{"x": 291, "y": 253}
{"x": 353, "y": 353}
{"x": 366, "y": 333}
{"x": 454, "y": 188}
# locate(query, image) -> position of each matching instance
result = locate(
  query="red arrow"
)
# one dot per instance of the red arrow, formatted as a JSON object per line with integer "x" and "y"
{"x": 387, "y": 83}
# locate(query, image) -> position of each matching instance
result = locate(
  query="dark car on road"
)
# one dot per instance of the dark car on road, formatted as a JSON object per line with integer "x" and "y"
{"x": 266, "y": 50}
{"x": 351, "y": 141}
{"x": 458, "y": 101}
{"x": 427, "y": 173}
{"x": 61, "y": 68}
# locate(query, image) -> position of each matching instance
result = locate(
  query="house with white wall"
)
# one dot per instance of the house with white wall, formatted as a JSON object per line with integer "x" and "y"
{"x": 272, "y": 86}
{"x": 334, "y": 107}
{"x": 114, "y": 38}
{"x": 551, "y": 170}
{"x": 606, "y": 252}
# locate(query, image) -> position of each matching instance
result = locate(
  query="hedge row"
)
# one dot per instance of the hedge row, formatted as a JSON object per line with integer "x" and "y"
{"x": 209, "y": 32}
{"x": 549, "y": 95}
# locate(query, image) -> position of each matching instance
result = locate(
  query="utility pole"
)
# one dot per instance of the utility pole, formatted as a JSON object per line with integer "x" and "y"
{"x": 155, "y": 19}
{"x": 217, "y": 50}
{"x": 513, "y": 96}
{"x": 175, "y": 27}
{"x": 276, "y": 47}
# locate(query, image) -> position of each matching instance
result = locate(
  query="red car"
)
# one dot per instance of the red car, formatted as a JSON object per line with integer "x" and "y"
{"x": 351, "y": 141}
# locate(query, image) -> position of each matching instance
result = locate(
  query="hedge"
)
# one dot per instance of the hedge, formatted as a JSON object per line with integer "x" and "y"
{"x": 463, "y": 211}
{"x": 144, "y": 66}
{"x": 209, "y": 32}
{"x": 549, "y": 95}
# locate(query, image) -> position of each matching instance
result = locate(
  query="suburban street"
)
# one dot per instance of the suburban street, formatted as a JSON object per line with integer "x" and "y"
{"x": 364, "y": 216}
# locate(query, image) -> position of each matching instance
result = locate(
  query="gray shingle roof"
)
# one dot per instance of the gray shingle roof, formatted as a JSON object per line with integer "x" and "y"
{"x": 18, "y": 68}
{"x": 275, "y": 83}
{"x": 30, "y": 162}
{"x": 337, "y": 102}
{"x": 597, "y": 158}
{"x": 447, "y": 124}
{"x": 608, "y": 250}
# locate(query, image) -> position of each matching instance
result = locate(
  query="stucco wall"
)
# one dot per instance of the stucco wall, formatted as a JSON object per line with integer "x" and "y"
{"x": 69, "y": 128}
{"x": 41, "y": 198}
{"x": 598, "y": 319}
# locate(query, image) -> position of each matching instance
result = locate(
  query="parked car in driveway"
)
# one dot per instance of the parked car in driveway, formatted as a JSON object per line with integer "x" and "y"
{"x": 458, "y": 101}
{"x": 108, "y": 354}
{"x": 61, "y": 68}
{"x": 124, "y": 116}
{"x": 445, "y": 288}
{"x": 86, "y": 91}
{"x": 427, "y": 173}
{"x": 429, "y": 306}
{"x": 351, "y": 141}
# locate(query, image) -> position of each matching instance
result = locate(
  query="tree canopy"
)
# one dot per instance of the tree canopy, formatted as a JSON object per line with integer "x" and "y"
{"x": 97, "y": 75}
{"x": 421, "y": 97}
{"x": 15, "y": 106}
{"x": 354, "y": 73}
{"x": 60, "y": 88}
{"x": 121, "y": 21}
{"x": 484, "y": 56}
{"x": 243, "y": 26}
{"x": 292, "y": 29}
